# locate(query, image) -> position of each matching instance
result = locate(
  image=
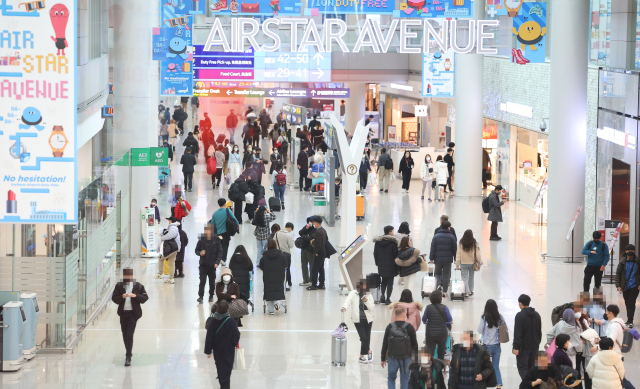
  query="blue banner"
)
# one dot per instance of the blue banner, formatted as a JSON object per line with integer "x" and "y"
{"x": 256, "y": 7}
{"x": 170, "y": 46}
{"x": 530, "y": 29}
{"x": 435, "y": 9}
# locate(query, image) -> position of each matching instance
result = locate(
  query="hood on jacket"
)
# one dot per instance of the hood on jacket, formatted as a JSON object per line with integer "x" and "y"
{"x": 609, "y": 357}
{"x": 529, "y": 312}
{"x": 590, "y": 336}
{"x": 272, "y": 253}
{"x": 411, "y": 306}
{"x": 408, "y": 257}
{"x": 386, "y": 240}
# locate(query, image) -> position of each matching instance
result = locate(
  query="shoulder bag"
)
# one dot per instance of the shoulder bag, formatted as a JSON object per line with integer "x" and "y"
{"x": 476, "y": 263}
{"x": 503, "y": 333}
{"x": 238, "y": 308}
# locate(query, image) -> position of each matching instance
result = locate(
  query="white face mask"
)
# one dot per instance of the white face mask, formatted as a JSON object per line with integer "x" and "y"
{"x": 578, "y": 315}
{"x": 569, "y": 345}
{"x": 249, "y": 150}
{"x": 226, "y": 279}
{"x": 466, "y": 343}
{"x": 424, "y": 360}
{"x": 235, "y": 149}
{"x": 428, "y": 159}
{"x": 276, "y": 152}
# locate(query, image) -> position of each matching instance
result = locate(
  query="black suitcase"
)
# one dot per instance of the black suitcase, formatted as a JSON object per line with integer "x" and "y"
{"x": 274, "y": 204}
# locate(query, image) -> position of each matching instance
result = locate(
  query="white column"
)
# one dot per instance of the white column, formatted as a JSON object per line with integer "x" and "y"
{"x": 567, "y": 123}
{"x": 468, "y": 127}
{"x": 135, "y": 107}
{"x": 355, "y": 106}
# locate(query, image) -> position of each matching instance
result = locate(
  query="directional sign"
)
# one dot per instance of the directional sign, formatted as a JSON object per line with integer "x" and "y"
{"x": 201, "y": 91}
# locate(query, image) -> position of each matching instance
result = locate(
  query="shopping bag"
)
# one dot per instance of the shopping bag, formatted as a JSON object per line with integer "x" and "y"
{"x": 238, "y": 361}
{"x": 372, "y": 178}
{"x": 227, "y": 179}
{"x": 166, "y": 269}
{"x": 393, "y": 177}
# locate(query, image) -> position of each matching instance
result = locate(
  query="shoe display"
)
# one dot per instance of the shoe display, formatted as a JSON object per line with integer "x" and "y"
{"x": 219, "y": 6}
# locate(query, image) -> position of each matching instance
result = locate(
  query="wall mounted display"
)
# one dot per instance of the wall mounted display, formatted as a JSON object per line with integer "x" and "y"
{"x": 256, "y": 7}
{"x": 342, "y": 7}
{"x": 294, "y": 114}
{"x": 530, "y": 29}
{"x": 38, "y": 111}
{"x": 452, "y": 9}
{"x": 438, "y": 74}
{"x": 170, "y": 46}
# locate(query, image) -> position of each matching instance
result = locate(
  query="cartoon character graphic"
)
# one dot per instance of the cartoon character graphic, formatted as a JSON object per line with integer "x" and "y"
{"x": 447, "y": 65}
{"x": 536, "y": 10}
{"x": 177, "y": 46}
{"x": 529, "y": 33}
{"x": 233, "y": 7}
{"x": 275, "y": 6}
{"x": 172, "y": 68}
{"x": 513, "y": 6}
{"x": 59, "y": 17}
{"x": 31, "y": 116}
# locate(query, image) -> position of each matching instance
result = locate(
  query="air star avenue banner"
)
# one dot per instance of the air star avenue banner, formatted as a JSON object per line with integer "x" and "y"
{"x": 38, "y": 111}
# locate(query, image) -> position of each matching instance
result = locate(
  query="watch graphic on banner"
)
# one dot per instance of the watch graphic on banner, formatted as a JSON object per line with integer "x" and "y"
{"x": 58, "y": 141}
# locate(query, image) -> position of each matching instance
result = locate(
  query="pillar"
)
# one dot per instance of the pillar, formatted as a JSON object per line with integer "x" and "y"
{"x": 468, "y": 126}
{"x": 623, "y": 38}
{"x": 355, "y": 106}
{"x": 567, "y": 123}
{"x": 135, "y": 108}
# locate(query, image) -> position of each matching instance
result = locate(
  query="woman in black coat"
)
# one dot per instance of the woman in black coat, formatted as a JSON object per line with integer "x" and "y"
{"x": 385, "y": 252}
{"x": 222, "y": 339}
{"x": 406, "y": 167}
{"x": 241, "y": 269}
{"x": 273, "y": 265}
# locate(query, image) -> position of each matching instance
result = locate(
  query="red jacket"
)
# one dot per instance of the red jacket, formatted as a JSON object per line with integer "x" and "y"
{"x": 232, "y": 121}
{"x": 179, "y": 213}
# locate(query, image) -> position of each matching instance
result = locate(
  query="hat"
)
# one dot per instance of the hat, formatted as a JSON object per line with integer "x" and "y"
{"x": 226, "y": 270}
{"x": 630, "y": 247}
{"x": 635, "y": 333}
{"x": 172, "y": 219}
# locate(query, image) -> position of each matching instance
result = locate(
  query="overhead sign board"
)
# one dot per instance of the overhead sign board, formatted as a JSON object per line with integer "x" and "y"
{"x": 270, "y": 92}
{"x": 294, "y": 114}
{"x": 38, "y": 111}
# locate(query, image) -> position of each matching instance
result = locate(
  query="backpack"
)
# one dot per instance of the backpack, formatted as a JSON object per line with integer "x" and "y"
{"x": 232, "y": 224}
{"x": 399, "y": 346}
{"x": 317, "y": 168}
{"x": 211, "y": 166}
{"x": 556, "y": 313}
{"x": 211, "y": 151}
{"x": 486, "y": 204}
{"x": 301, "y": 243}
{"x": 388, "y": 164}
{"x": 281, "y": 178}
{"x": 627, "y": 340}
{"x": 234, "y": 192}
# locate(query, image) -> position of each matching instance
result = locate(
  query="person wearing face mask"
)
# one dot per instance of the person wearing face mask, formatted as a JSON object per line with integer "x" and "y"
{"x": 247, "y": 134}
{"x": 276, "y": 159}
{"x": 248, "y": 154}
{"x": 406, "y": 168}
{"x": 209, "y": 249}
{"x": 606, "y": 368}
{"x": 359, "y": 302}
{"x": 303, "y": 167}
{"x": 365, "y": 169}
{"x": 560, "y": 356}
{"x": 426, "y": 173}
{"x": 628, "y": 281}
{"x": 471, "y": 365}
{"x": 129, "y": 294}
{"x": 541, "y": 372}
{"x": 567, "y": 326}
{"x": 235, "y": 163}
{"x": 426, "y": 371}
{"x": 226, "y": 289}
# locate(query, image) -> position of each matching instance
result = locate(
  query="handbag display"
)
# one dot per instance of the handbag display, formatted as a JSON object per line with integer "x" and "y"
{"x": 238, "y": 360}
{"x": 251, "y": 8}
{"x": 238, "y": 308}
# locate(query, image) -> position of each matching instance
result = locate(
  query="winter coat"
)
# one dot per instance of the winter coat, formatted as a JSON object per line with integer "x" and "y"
{"x": 495, "y": 213}
{"x": 439, "y": 228}
{"x": 448, "y": 159}
{"x": 303, "y": 160}
{"x": 443, "y": 247}
{"x": 413, "y": 313}
{"x": 212, "y": 251}
{"x": 191, "y": 142}
{"x": 615, "y": 331}
{"x": 172, "y": 233}
{"x": 483, "y": 366}
{"x": 406, "y": 167}
{"x": 606, "y": 370}
{"x": 188, "y": 161}
{"x": 601, "y": 257}
{"x": 365, "y": 166}
{"x": 417, "y": 373}
{"x": 561, "y": 358}
{"x": 241, "y": 275}
{"x": 385, "y": 252}
{"x": 232, "y": 290}
{"x": 351, "y": 304}
{"x": 424, "y": 171}
{"x": 441, "y": 172}
{"x": 435, "y": 317}
{"x": 307, "y": 235}
{"x": 621, "y": 272}
{"x": 284, "y": 241}
{"x": 382, "y": 160}
{"x": 184, "y": 241}
{"x": 409, "y": 261}
{"x": 468, "y": 257}
{"x": 222, "y": 339}
{"x": 173, "y": 130}
{"x": 232, "y": 121}
{"x": 274, "y": 158}
{"x": 563, "y": 327}
{"x": 527, "y": 330}
{"x": 141, "y": 298}
{"x": 273, "y": 265}
{"x": 535, "y": 373}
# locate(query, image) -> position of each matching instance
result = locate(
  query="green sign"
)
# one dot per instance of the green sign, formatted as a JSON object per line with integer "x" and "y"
{"x": 150, "y": 156}
{"x": 124, "y": 161}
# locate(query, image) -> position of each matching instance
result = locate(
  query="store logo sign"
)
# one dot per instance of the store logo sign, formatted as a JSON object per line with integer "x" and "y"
{"x": 408, "y": 88}
{"x": 517, "y": 109}
{"x": 618, "y": 137}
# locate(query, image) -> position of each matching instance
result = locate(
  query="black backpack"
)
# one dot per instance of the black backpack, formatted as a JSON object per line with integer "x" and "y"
{"x": 556, "y": 313}
{"x": 234, "y": 192}
{"x": 486, "y": 204}
{"x": 232, "y": 224}
{"x": 399, "y": 343}
{"x": 388, "y": 164}
{"x": 301, "y": 243}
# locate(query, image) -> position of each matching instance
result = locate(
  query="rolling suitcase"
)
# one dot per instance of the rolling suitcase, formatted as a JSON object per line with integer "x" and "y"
{"x": 359, "y": 207}
{"x": 339, "y": 347}
{"x": 274, "y": 204}
{"x": 429, "y": 284}
{"x": 457, "y": 289}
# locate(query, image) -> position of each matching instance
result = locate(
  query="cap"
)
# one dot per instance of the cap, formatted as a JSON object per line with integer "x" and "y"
{"x": 173, "y": 219}
{"x": 630, "y": 247}
{"x": 226, "y": 270}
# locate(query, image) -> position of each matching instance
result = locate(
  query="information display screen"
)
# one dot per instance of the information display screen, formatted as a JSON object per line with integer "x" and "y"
{"x": 352, "y": 246}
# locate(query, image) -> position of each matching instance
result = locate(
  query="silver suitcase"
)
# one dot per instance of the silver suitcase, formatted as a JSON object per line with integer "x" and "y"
{"x": 339, "y": 349}
{"x": 429, "y": 284}
{"x": 457, "y": 289}
{"x": 376, "y": 295}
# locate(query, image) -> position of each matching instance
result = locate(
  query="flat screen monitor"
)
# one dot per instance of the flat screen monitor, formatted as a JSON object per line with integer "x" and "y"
{"x": 353, "y": 245}
{"x": 35, "y": 304}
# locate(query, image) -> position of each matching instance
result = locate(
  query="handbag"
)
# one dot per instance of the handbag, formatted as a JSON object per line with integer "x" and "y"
{"x": 551, "y": 349}
{"x": 476, "y": 263}
{"x": 238, "y": 308}
{"x": 250, "y": 7}
{"x": 424, "y": 264}
{"x": 238, "y": 360}
{"x": 166, "y": 269}
{"x": 503, "y": 333}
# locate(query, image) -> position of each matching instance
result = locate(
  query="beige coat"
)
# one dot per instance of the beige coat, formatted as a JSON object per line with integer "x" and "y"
{"x": 172, "y": 130}
{"x": 467, "y": 257}
{"x": 606, "y": 370}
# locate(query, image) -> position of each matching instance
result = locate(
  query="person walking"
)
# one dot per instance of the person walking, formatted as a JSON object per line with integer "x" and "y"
{"x": 408, "y": 262}
{"x": 606, "y": 368}
{"x": 365, "y": 168}
{"x": 273, "y": 265}
{"x": 220, "y": 159}
{"x": 232, "y": 123}
{"x": 247, "y": 135}
{"x": 184, "y": 241}
{"x": 406, "y": 168}
{"x": 442, "y": 177}
{"x": 527, "y": 335}
{"x": 384, "y": 160}
{"x": 541, "y": 372}
{"x": 426, "y": 173}
{"x": 279, "y": 182}
{"x": 195, "y": 103}
{"x": 471, "y": 365}
{"x": 188, "y": 162}
{"x": 261, "y": 220}
{"x": 265, "y": 122}
{"x": 397, "y": 345}
{"x": 209, "y": 250}
{"x": 597, "y": 253}
{"x": 184, "y": 100}
{"x": 628, "y": 281}
{"x": 303, "y": 166}
{"x": 359, "y": 302}
{"x": 307, "y": 254}
{"x": 385, "y": 252}
{"x": 489, "y": 326}
{"x": 129, "y": 294}
{"x": 241, "y": 269}
{"x": 448, "y": 158}
{"x": 221, "y": 341}
{"x": 226, "y": 289}
{"x": 170, "y": 249}
{"x": 219, "y": 221}
{"x": 445, "y": 218}
{"x": 319, "y": 243}
{"x": 438, "y": 321}
{"x": 191, "y": 141}
{"x": 444, "y": 249}
{"x": 567, "y": 326}
{"x": 164, "y": 131}
{"x": 468, "y": 257}
{"x": 235, "y": 163}
{"x": 495, "y": 212}
{"x": 255, "y": 139}
{"x": 275, "y": 158}
{"x": 412, "y": 308}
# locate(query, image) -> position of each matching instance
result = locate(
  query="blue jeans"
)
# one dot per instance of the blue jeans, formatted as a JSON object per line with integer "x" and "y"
{"x": 262, "y": 245}
{"x": 393, "y": 366}
{"x": 279, "y": 191}
{"x": 495, "y": 351}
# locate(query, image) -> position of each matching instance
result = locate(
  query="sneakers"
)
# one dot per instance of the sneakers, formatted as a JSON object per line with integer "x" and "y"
{"x": 200, "y": 299}
{"x": 430, "y": 200}
{"x": 386, "y": 191}
{"x": 271, "y": 187}
{"x": 159, "y": 276}
{"x": 272, "y": 313}
{"x": 305, "y": 284}
{"x": 170, "y": 281}
{"x": 370, "y": 357}
{"x": 470, "y": 293}
{"x": 421, "y": 197}
{"x": 629, "y": 324}
{"x": 321, "y": 287}
{"x": 287, "y": 289}
{"x": 381, "y": 190}
{"x": 363, "y": 359}
{"x": 219, "y": 6}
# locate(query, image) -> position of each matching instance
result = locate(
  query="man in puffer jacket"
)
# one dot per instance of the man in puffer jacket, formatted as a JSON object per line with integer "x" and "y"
{"x": 444, "y": 247}
{"x": 606, "y": 368}
{"x": 385, "y": 252}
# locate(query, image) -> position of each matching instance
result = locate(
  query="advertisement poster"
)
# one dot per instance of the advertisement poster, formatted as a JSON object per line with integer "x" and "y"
{"x": 342, "y": 7}
{"x": 450, "y": 9}
{"x": 530, "y": 29}
{"x": 188, "y": 7}
{"x": 170, "y": 45}
{"x": 38, "y": 112}
{"x": 438, "y": 74}
{"x": 250, "y": 8}
{"x": 611, "y": 237}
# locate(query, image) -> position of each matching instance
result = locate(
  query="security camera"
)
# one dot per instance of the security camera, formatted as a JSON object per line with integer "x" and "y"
{"x": 543, "y": 125}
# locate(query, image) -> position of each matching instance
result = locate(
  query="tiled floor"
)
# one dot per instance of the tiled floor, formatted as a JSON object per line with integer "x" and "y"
{"x": 292, "y": 350}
